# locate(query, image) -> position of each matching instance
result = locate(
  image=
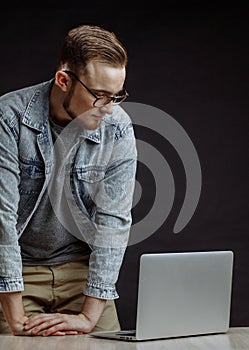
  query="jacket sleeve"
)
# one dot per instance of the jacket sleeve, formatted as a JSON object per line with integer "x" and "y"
{"x": 10, "y": 257}
{"x": 113, "y": 201}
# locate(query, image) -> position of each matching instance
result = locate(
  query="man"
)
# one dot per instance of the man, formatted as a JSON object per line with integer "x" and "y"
{"x": 68, "y": 164}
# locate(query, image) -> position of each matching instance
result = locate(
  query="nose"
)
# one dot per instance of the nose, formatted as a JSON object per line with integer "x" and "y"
{"x": 107, "y": 109}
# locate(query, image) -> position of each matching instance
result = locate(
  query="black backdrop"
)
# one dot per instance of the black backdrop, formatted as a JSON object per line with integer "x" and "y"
{"x": 191, "y": 62}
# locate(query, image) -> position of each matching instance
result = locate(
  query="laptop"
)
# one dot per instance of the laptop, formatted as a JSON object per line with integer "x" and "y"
{"x": 181, "y": 294}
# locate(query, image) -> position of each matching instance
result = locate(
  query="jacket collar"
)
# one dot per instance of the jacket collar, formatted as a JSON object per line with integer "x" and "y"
{"x": 37, "y": 112}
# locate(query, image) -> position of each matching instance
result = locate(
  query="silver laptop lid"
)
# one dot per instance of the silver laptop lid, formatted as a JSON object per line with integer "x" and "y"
{"x": 182, "y": 294}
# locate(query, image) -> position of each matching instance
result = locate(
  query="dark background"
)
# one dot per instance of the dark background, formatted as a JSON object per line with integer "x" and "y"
{"x": 191, "y": 62}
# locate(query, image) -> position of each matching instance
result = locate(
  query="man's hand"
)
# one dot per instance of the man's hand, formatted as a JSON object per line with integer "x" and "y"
{"x": 12, "y": 307}
{"x": 65, "y": 324}
{"x": 57, "y": 324}
{"x": 17, "y": 327}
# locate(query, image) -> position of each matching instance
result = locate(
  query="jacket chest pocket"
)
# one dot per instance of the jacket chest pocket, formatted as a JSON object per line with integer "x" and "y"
{"x": 32, "y": 170}
{"x": 90, "y": 175}
{"x": 32, "y": 176}
{"x": 87, "y": 182}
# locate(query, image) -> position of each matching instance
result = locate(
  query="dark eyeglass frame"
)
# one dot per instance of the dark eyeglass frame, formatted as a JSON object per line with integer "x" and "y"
{"x": 116, "y": 99}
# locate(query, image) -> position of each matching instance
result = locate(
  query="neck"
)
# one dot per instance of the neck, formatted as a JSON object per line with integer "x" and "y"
{"x": 57, "y": 112}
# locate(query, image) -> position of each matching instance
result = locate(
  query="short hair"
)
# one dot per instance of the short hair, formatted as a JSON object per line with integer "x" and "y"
{"x": 90, "y": 42}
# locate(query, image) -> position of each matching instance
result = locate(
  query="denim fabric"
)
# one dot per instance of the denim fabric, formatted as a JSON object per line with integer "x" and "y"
{"x": 99, "y": 181}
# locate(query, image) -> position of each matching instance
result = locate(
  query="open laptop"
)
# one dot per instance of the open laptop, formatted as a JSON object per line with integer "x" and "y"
{"x": 181, "y": 294}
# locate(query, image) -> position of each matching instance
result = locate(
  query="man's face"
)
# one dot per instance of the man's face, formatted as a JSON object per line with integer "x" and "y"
{"x": 101, "y": 79}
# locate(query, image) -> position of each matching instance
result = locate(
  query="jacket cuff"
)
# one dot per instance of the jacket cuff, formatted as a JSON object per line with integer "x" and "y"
{"x": 101, "y": 292}
{"x": 11, "y": 285}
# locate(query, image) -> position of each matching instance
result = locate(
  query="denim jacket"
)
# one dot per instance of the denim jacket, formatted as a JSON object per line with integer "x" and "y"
{"x": 99, "y": 180}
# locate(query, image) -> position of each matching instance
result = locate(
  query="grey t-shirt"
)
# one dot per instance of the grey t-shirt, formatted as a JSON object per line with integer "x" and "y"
{"x": 45, "y": 240}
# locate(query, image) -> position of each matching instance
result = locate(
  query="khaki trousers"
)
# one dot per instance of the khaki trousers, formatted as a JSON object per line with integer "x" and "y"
{"x": 59, "y": 288}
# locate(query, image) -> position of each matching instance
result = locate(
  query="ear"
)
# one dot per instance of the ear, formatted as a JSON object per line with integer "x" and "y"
{"x": 62, "y": 80}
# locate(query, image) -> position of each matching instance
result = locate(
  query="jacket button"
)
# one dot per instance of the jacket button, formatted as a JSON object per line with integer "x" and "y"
{"x": 92, "y": 177}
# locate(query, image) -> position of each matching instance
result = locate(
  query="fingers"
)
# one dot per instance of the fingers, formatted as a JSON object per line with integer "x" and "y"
{"x": 53, "y": 324}
{"x": 72, "y": 332}
{"x": 46, "y": 324}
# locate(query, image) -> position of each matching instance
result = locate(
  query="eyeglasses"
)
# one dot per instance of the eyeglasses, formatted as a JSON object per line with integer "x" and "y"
{"x": 101, "y": 101}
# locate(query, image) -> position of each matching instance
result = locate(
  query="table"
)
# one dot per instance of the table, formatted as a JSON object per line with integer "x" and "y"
{"x": 237, "y": 338}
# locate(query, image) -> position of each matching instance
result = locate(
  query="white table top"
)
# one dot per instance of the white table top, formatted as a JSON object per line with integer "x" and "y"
{"x": 234, "y": 339}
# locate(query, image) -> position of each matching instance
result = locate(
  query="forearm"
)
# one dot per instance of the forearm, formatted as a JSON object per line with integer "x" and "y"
{"x": 13, "y": 310}
{"x": 92, "y": 310}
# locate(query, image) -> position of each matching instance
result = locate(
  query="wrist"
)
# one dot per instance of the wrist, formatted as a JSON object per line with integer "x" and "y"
{"x": 13, "y": 310}
{"x": 92, "y": 309}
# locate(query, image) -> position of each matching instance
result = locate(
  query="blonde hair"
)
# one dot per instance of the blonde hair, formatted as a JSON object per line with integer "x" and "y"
{"x": 89, "y": 42}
